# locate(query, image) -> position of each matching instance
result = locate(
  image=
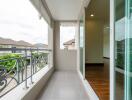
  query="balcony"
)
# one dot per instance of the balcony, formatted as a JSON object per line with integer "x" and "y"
{"x": 19, "y": 68}
{"x": 25, "y": 71}
{"x": 56, "y": 73}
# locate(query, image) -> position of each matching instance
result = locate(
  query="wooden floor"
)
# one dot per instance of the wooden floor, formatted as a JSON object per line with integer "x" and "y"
{"x": 98, "y": 77}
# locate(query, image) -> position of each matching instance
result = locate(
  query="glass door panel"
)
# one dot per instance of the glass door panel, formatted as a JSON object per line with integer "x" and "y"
{"x": 119, "y": 48}
{"x": 81, "y": 45}
{"x": 128, "y": 67}
{"x": 123, "y": 49}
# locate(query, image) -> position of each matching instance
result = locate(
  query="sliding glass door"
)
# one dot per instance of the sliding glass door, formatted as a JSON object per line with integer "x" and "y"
{"x": 81, "y": 45}
{"x": 123, "y": 49}
{"x": 128, "y": 68}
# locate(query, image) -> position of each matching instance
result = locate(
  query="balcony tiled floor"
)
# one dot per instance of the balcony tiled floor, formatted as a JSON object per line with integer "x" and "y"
{"x": 64, "y": 85}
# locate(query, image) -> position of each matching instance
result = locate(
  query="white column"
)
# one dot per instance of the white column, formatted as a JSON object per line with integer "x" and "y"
{"x": 112, "y": 50}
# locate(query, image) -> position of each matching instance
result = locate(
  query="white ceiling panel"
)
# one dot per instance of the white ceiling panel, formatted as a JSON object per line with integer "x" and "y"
{"x": 64, "y": 9}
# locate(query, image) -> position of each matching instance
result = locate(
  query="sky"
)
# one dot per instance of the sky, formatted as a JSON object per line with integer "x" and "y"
{"x": 19, "y": 20}
{"x": 66, "y": 33}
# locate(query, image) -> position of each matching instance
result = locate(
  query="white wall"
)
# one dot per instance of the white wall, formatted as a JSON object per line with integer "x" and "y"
{"x": 64, "y": 59}
{"x": 51, "y": 46}
{"x": 94, "y": 41}
{"x": 97, "y": 41}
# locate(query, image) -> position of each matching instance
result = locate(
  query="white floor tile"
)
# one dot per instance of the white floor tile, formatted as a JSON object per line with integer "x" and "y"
{"x": 64, "y": 85}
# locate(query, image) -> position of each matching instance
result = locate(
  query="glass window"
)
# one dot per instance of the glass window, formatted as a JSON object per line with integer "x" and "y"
{"x": 19, "y": 21}
{"x": 67, "y": 37}
{"x": 81, "y": 45}
{"x": 123, "y": 47}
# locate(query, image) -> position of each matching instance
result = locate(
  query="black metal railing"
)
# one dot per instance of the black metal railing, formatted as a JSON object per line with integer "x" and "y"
{"x": 16, "y": 70}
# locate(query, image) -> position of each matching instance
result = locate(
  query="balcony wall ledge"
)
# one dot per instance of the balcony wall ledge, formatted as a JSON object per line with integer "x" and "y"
{"x": 89, "y": 90}
{"x": 39, "y": 79}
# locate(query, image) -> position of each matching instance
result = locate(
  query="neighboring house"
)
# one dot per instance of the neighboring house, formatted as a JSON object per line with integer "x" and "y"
{"x": 40, "y": 46}
{"x": 6, "y": 43}
{"x": 9, "y": 43}
{"x": 69, "y": 44}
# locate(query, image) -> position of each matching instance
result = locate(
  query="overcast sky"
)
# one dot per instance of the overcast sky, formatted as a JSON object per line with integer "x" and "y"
{"x": 19, "y": 21}
{"x": 66, "y": 33}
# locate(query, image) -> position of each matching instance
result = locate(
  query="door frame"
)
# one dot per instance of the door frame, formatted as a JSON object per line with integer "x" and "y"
{"x": 112, "y": 61}
{"x": 90, "y": 92}
{"x": 82, "y": 14}
{"x": 112, "y": 44}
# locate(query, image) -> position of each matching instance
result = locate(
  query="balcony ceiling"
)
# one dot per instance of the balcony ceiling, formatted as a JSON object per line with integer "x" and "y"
{"x": 64, "y": 9}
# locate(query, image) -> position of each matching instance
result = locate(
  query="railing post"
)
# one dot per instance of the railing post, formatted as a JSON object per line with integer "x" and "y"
{"x": 31, "y": 64}
{"x": 36, "y": 60}
{"x": 18, "y": 76}
{"x": 13, "y": 49}
{"x": 22, "y": 72}
{"x": 37, "y": 50}
{"x": 26, "y": 87}
{"x": 48, "y": 58}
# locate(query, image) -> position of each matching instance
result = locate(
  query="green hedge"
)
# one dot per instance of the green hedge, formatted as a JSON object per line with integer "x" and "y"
{"x": 7, "y": 62}
{"x": 35, "y": 54}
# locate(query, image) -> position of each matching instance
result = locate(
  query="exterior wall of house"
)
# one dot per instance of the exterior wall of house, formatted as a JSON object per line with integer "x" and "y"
{"x": 5, "y": 46}
{"x": 64, "y": 59}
